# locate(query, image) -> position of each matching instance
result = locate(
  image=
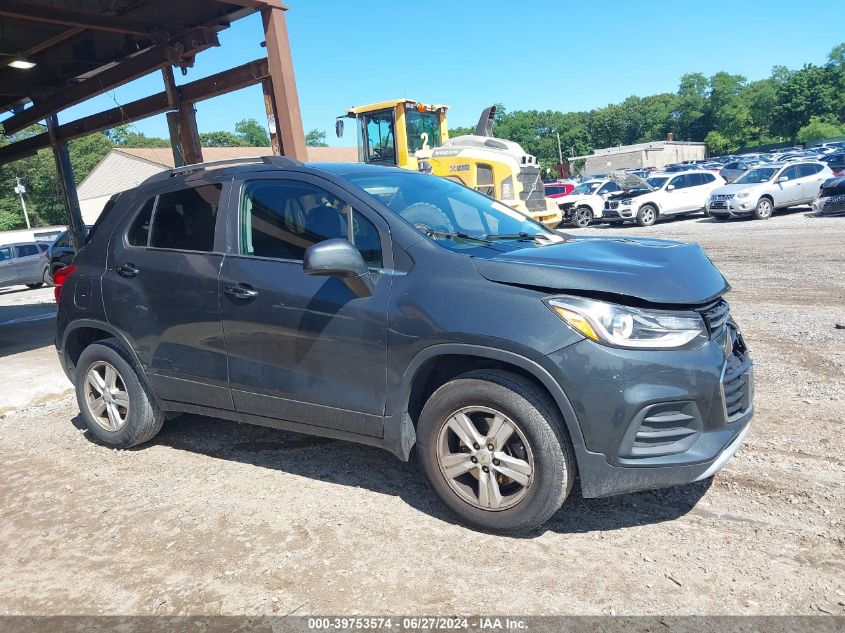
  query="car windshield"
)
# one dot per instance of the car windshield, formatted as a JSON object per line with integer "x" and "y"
{"x": 657, "y": 181}
{"x": 453, "y": 215}
{"x": 585, "y": 189}
{"x": 758, "y": 175}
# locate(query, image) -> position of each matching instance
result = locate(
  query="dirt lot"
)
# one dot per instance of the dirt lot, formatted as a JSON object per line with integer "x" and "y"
{"x": 217, "y": 518}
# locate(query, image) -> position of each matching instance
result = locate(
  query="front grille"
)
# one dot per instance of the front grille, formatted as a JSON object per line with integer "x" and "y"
{"x": 715, "y": 316}
{"x": 834, "y": 204}
{"x": 722, "y": 196}
{"x": 614, "y": 204}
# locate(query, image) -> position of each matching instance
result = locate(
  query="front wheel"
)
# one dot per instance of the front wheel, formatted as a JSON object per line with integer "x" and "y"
{"x": 582, "y": 217}
{"x": 763, "y": 210}
{"x": 647, "y": 215}
{"x": 492, "y": 447}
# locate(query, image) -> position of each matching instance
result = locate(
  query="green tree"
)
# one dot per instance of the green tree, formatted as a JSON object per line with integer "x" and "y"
{"x": 316, "y": 138}
{"x": 253, "y": 133}
{"x": 820, "y": 127}
{"x": 222, "y": 138}
{"x": 717, "y": 143}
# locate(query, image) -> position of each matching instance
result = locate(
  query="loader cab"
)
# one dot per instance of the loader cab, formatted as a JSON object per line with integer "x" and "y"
{"x": 392, "y": 132}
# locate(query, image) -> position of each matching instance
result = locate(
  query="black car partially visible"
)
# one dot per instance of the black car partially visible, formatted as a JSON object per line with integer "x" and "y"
{"x": 831, "y": 200}
{"x": 61, "y": 252}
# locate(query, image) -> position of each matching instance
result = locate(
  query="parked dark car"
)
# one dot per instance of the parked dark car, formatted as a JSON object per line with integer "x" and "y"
{"x": 831, "y": 200}
{"x": 61, "y": 252}
{"x": 403, "y": 310}
{"x": 23, "y": 264}
{"x": 836, "y": 161}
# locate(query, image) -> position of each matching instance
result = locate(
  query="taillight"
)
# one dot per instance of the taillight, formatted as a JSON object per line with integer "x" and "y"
{"x": 59, "y": 278}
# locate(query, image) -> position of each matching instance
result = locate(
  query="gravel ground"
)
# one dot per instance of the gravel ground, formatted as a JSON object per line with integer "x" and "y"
{"x": 217, "y": 518}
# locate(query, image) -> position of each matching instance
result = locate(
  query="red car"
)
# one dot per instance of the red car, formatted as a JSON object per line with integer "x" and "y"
{"x": 558, "y": 189}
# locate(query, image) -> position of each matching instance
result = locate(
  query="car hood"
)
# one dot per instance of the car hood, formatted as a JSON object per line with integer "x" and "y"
{"x": 628, "y": 181}
{"x": 655, "y": 271}
{"x": 735, "y": 189}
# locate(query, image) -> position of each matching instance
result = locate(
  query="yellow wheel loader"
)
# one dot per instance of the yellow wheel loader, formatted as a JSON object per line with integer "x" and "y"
{"x": 415, "y": 136}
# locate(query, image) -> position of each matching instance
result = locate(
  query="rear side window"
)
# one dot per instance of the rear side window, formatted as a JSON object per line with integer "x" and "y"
{"x": 809, "y": 170}
{"x": 707, "y": 178}
{"x": 27, "y": 250}
{"x": 5, "y": 253}
{"x": 64, "y": 240}
{"x": 281, "y": 219}
{"x": 139, "y": 232}
{"x": 185, "y": 219}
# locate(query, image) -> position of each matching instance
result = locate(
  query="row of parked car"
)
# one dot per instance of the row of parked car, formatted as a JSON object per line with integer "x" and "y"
{"x": 33, "y": 263}
{"x": 761, "y": 187}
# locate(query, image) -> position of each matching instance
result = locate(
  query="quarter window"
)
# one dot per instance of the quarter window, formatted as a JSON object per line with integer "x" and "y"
{"x": 281, "y": 219}
{"x": 185, "y": 219}
{"x": 139, "y": 232}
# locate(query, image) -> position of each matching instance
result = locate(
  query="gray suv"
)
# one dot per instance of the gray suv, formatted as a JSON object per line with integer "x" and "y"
{"x": 407, "y": 312}
{"x": 24, "y": 263}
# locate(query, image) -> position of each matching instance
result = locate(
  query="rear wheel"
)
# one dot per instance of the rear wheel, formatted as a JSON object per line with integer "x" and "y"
{"x": 48, "y": 280}
{"x": 492, "y": 448}
{"x": 112, "y": 399}
{"x": 763, "y": 210}
{"x": 582, "y": 217}
{"x": 37, "y": 284}
{"x": 647, "y": 215}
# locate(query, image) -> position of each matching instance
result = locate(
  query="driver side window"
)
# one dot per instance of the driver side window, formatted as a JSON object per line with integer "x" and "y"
{"x": 790, "y": 174}
{"x": 381, "y": 143}
{"x": 281, "y": 219}
{"x": 677, "y": 181}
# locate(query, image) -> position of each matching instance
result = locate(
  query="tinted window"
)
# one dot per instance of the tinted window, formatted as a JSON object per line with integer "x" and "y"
{"x": 185, "y": 219}
{"x": 485, "y": 181}
{"x": 790, "y": 173}
{"x": 64, "y": 240}
{"x": 380, "y": 142}
{"x": 707, "y": 178}
{"x": 281, "y": 219}
{"x": 139, "y": 232}
{"x": 27, "y": 250}
{"x": 809, "y": 170}
{"x": 610, "y": 187}
{"x": 732, "y": 166}
{"x": 5, "y": 253}
{"x": 552, "y": 191}
{"x": 678, "y": 182}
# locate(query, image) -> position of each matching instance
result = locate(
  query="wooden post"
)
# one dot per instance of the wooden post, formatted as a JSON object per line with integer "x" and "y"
{"x": 181, "y": 123}
{"x": 272, "y": 120}
{"x": 64, "y": 171}
{"x": 285, "y": 99}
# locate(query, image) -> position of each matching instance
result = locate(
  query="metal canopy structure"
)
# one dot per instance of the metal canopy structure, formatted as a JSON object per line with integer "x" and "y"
{"x": 58, "y": 53}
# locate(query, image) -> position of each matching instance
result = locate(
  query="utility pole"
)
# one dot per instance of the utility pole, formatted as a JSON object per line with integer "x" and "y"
{"x": 559, "y": 150}
{"x": 20, "y": 190}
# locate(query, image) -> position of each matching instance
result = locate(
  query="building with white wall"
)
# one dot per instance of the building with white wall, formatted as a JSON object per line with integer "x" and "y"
{"x": 656, "y": 154}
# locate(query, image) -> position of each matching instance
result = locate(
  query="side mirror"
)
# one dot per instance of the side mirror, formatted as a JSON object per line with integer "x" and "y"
{"x": 670, "y": 187}
{"x": 338, "y": 258}
{"x": 338, "y": 127}
{"x": 782, "y": 179}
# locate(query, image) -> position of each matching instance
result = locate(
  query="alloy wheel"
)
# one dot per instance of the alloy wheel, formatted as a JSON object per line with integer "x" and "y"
{"x": 583, "y": 216}
{"x": 106, "y": 396}
{"x": 764, "y": 208}
{"x": 485, "y": 458}
{"x": 647, "y": 215}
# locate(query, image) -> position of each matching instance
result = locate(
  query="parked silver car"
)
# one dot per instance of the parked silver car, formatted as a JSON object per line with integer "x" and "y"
{"x": 735, "y": 169}
{"x": 24, "y": 264}
{"x": 765, "y": 188}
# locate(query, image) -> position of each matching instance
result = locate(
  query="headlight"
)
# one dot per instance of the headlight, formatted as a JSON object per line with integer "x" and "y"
{"x": 627, "y": 201}
{"x": 744, "y": 194}
{"x": 623, "y": 326}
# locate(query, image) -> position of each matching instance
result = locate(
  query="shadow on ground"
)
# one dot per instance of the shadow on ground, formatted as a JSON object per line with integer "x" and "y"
{"x": 27, "y": 322}
{"x": 349, "y": 464}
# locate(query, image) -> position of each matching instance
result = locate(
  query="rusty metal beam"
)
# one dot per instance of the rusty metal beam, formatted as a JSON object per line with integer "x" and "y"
{"x": 227, "y": 81}
{"x": 144, "y": 63}
{"x": 257, "y": 4}
{"x": 46, "y": 14}
{"x": 285, "y": 98}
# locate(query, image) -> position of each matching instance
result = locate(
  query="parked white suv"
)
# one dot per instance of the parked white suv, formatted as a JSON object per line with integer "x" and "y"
{"x": 768, "y": 187}
{"x": 586, "y": 202}
{"x": 661, "y": 195}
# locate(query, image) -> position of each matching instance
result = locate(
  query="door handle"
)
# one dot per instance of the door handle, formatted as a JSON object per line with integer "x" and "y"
{"x": 127, "y": 270}
{"x": 241, "y": 291}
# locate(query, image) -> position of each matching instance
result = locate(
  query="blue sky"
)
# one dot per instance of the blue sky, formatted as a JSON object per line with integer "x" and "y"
{"x": 534, "y": 54}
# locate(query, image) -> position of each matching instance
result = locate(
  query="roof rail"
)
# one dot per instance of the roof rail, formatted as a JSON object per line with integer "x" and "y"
{"x": 277, "y": 161}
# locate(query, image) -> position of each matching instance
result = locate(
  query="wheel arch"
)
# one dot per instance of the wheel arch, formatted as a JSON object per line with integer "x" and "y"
{"x": 438, "y": 364}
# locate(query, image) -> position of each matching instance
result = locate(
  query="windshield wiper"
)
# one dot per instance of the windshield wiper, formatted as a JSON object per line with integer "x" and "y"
{"x": 515, "y": 236}
{"x": 454, "y": 235}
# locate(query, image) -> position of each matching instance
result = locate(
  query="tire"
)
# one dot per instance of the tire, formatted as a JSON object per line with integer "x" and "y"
{"x": 581, "y": 217}
{"x": 763, "y": 210}
{"x": 37, "y": 284}
{"x": 141, "y": 418}
{"x": 537, "y": 446}
{"x": 48, "y": 279}
{"x": 426, "y": 217}
{"x": 647, "y": 215}
{"x": 721, "y": 218}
